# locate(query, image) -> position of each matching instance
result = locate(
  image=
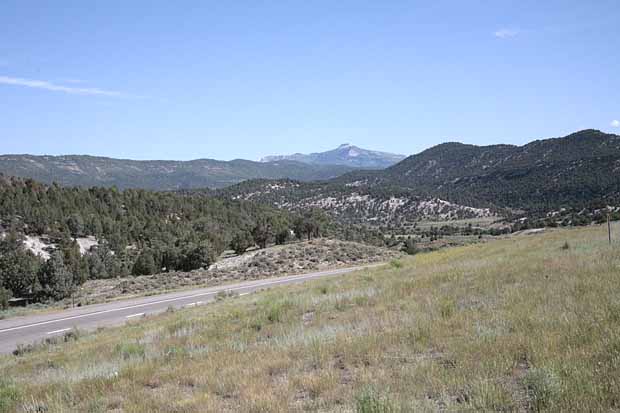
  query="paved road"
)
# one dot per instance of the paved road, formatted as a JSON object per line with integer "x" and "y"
{"x": 30, "y": 329}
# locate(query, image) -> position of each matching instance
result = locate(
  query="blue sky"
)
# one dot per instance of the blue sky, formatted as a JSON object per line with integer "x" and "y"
{"x": 244, "y": 79}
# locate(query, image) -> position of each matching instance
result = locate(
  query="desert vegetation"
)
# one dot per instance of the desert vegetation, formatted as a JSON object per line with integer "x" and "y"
{"x": 526, "y": 323}
{"x": 292, "y": 258}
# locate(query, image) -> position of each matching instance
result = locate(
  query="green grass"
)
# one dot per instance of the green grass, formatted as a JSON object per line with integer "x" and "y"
{"x": 518, "y": 324}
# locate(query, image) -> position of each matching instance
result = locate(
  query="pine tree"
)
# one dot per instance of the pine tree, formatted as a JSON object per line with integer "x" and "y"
{"x": 56, "y": 280}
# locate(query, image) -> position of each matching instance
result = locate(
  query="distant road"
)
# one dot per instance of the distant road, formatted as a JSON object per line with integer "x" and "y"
{"x": 30, "y": 329}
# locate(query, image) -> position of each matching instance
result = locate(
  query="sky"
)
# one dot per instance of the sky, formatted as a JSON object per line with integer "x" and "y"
{"x": 244, "y": 79}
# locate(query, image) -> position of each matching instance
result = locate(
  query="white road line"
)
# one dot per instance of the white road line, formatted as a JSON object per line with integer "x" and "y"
{"x": 135, "y": 315}
{"x": 214, "y": 292}
{"x": 242, "y": 294}
{"x": 58, "y": 331}
{"x": 190, "y": 305}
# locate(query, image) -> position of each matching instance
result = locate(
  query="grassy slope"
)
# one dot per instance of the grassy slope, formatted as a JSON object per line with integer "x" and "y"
{"x": 509, "y": 325}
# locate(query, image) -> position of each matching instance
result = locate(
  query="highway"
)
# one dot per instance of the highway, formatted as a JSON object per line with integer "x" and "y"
{"x": 34, "y": 328}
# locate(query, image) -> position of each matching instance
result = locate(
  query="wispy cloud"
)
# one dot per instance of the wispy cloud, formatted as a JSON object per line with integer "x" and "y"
{"x": 615, "y": 123}
{"x": 43, "y": 84}
{"x": 71, "y": 80}
{"x": 506, "y": 33}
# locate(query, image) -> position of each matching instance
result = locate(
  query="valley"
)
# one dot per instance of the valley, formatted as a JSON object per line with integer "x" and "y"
{"x": 503, "y": 325}
{"x": 311, "y": 206}
{"x": 58, "y": 241}
{"x": 418, "y": 268}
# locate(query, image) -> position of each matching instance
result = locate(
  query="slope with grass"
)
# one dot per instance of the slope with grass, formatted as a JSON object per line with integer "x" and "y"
{"x": 528, "y": 323}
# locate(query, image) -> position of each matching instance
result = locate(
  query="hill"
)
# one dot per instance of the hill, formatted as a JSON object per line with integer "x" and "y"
{"x": 345, "y": 154}
{"x": 353, "y": 203}
{"x": 85, "y": 171}
{"x": 516, "y": 325}
{"x": 53, "y": 238}
{"x": 455, "y": 180}
{"x": 279, "y": 260}
{"x": 545, "y": 174}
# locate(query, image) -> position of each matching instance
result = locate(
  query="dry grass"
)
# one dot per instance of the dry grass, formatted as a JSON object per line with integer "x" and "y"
{"x": 519, "y": 324}
{"x": 294, "y": 258}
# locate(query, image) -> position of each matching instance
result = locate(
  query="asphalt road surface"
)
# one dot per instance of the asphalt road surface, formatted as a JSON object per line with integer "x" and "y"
{"x": 34, "y": 328}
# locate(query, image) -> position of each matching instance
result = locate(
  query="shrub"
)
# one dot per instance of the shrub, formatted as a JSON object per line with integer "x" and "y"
{"x": 410, "y": 247}
{"x": 283, "y": 236}
{"x": 323, "y": 289}
{"x": 72, "y": 335}
{"x": 9, "y": 395}
{"x": 23, "y": 349}
{"x": 543, "y": 387}
{"x": 371, "y": 402}
{"x": 5, "y": 295}
{"x": 447, "y": 308}
{"x": 130, "y": 350}
{"x": 277, "y": 310}
{"x": 241, "y": 241}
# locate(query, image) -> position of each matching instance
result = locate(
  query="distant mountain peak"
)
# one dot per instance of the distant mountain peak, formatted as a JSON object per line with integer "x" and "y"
{"x": 345, "y": 154}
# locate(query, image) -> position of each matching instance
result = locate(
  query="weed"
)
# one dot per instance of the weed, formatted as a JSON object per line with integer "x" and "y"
{"x": 370, "y": 401}
{"x": 543, "y": 386}
{"x": 130, "y": 350}
{"x": 447, "y": 308}
{"x": 9, "y": 395}
{"x": 72, "y": 335}
{"x": 23, "y": 349}
{"x": 277, "y": 310}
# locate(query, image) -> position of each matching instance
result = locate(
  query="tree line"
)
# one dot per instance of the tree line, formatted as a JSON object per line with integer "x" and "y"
{"x": 139, "y": 232}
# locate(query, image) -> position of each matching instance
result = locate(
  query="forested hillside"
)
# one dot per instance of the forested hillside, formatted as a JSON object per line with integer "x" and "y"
{"x": 138, "y": 232}
{"x": 572, "y": 171}
{"x": 454, "y": 180}
{"x": 81, "y": 170}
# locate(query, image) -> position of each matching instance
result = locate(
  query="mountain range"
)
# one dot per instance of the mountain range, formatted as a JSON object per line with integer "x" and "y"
{"x": 345, "y": 154}
{"x": 84, "y": 170}
{"x": 455, "y": 180}
{"x": 451, "y": 180}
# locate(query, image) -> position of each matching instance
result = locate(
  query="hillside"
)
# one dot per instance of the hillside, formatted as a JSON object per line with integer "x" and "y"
{"x": 455, "y": 180}
{"x": 85, "y": 171}
{"x": 544, "y": 174}
{"x": 523, "y": 324}
{"x": 345, "y": 154}
{"x": 279, "y": 260}
{"x": 355, "y": 204}
{"x": 53, "y": 239}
